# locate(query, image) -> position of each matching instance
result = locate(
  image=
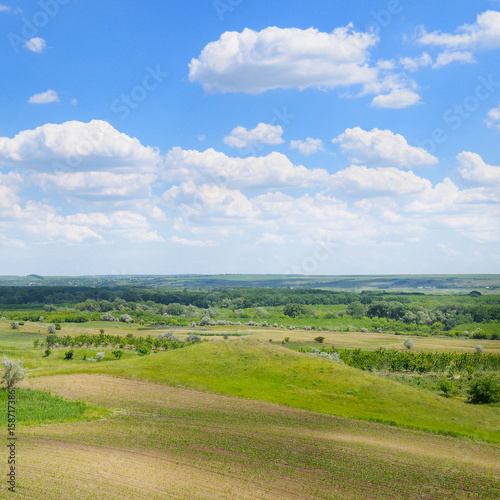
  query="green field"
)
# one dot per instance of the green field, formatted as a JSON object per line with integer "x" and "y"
{"x": 242, "y": 414}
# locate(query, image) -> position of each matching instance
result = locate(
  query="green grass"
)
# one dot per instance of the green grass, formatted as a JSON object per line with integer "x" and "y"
{"x": 37, "y": 407}
{"x": 271, "y": 373}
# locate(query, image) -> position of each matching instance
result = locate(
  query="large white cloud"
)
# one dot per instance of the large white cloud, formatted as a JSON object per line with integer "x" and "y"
{"x": 209, "y": 200}
{"x": 263, "y": 133}
{"x": 484, "y": 34}
{"x": 102, "y": 184}
{"x": 363, "y": 181}
{"x": 76, "y": 146}
{"x": 254, "y": 62}
{"x": 271, "y": 171}
{"x": 474, "y": 171}
{"x": 382, "y": 148}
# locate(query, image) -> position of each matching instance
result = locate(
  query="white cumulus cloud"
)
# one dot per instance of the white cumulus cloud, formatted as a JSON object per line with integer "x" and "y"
{"x": 44, "y": 98}
{"x": 396, "y": 99}
{"x": 254, "y": 62}
{"x": 484, "y": 34}
{"x": 382, "y": 148}
{"x": 307, "y": 147}
{"x": 76, "y": 146}
{"x": 271, "y": 171}
{"x": 474, "y": 171}
{"x": 493, "y": 119}
{"x": 361, "y": 180}
{"x": 446, "y": 58}
{"x": 263, "y": 133}
{"x": 415, "y": 63}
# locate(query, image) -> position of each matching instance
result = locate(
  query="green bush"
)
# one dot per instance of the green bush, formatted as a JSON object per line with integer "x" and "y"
{"x": 50, "y": 340}
{"x": 117, "y": 353}
{"x": 319, "y": 340}
{"x": 69, "y": 354}
{"x": 142, "y": 350}
{"x": 47, "y": 353}
{"x": 484, "y": 391}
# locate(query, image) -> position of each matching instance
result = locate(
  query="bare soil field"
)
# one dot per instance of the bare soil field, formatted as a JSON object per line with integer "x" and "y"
{"x": 173, "y": 442}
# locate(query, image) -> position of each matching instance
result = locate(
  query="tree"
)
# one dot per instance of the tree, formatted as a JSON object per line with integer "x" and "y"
{"x": 484, "y": 391}
{"x": 356, "y": 309}
{"x": 51, "y": 329}
{"x": 125, "y": 318}
{"x": 175, "y": 309}
{"x": 50, "y": 340}
{"x": 294, "y": 310}
{"x": 13, "y": 371}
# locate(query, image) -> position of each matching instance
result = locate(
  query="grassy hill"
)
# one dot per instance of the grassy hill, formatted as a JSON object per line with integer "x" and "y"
{"x": 271, "y": 373}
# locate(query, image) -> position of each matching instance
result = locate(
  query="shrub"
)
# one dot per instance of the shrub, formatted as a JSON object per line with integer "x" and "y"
{"x": 408, "y": 343}
{"x": 99, "y": 356}
{"x": 58, "y": 326}
{"x": 446, "y": 387}
{"x": 14, "y": 325}
{"x": 51, "y": 329}
{"x": 101, "y": 330}
{"x": 69, "y": 354}
{"x": 41, "y": 319}
{"x": 168, "y": 336}
{"x": 484, "y": 391}
{"x": 36, "y": 343}
{"x": 107, "y": 317}
{"x": 47, "y": 353}
{"x": 142, "y": 350}
{"x": 117, "y": 353}
{"x": 193, "y": 338}
{"x": 51, "y": 339}
{"x": 260, "y": 311}
{"x": 125, "y": 318}
{"x": 479, "y": 349}
{"x": 286, "y": 339}
{"x": 13, "y": 371}
{"x": 319, "y": 340}
{"x": 206, "y": 321}
{"x": 226, "y": 337}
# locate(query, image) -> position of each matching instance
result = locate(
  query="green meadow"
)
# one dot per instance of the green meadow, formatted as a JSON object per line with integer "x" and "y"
{"x": 252, "y": 411}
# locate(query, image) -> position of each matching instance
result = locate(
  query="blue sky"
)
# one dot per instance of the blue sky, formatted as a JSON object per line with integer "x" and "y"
{"x": 246, "y": 136}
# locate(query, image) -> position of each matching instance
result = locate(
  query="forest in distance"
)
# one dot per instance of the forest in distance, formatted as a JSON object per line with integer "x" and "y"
{"x": 406, "y": 283}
